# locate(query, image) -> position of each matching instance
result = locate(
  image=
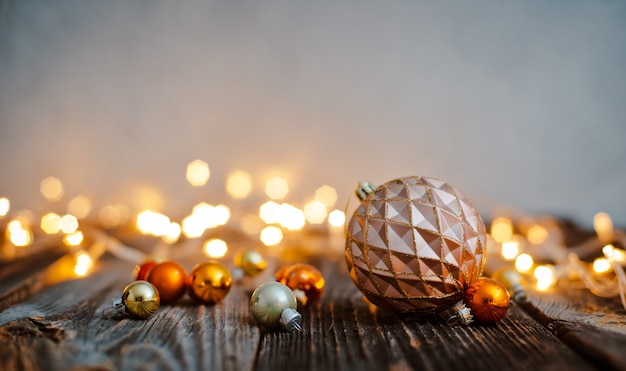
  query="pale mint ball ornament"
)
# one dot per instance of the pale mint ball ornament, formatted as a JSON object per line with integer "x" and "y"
{"x": 274, "y": 305}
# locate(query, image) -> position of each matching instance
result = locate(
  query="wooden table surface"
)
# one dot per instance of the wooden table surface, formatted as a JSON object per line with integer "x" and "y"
{"x": 58, "y": 326}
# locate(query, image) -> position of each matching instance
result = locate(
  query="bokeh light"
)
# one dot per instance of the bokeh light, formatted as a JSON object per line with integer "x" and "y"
{"x": 79, "y": 206}
{"x": 315, "y": 212}
{"x": 290, "y": 217}
{"x": 51, "y": 223}
{"x": 501, "y": 229}
{"x": 150, "y": 222}
{"x": 337, "y": 218}
{"x": 601, "y": 265}
{"x": 5, "y": 206}
{"x": 215, "y": 248}
{"x": 271, "y": 236}
{"x": 73, "y": 239}
{"x": 84, "y": 264}
{"x": 112, "y": 216}
{"x": 524, "y": 263}
{"x": 239, "y": 184}
{"x": 68, "y": 223}
{"x": 198, "y": 173}
{"x": 276, "y": 188}
{"x": 52, "y": 189}
{"x": 326, "y": 195}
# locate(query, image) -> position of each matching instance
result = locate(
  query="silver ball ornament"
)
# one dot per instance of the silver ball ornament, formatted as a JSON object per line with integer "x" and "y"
{"x": 274, "y": 305}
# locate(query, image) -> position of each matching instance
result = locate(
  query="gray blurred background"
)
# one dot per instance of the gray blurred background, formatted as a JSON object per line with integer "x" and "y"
{"x": 519, "y": 104}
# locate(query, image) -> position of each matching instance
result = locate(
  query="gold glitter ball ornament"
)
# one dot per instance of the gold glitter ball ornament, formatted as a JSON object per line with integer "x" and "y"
{"x": 141, "y": 299}
{"x": 414, "y": 244}
{"x": 251, "y": 262}
{"x": 209, "y": 282}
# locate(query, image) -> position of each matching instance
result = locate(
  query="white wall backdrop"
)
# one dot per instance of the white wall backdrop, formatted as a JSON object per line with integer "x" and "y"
{"x": 521, "y": 105}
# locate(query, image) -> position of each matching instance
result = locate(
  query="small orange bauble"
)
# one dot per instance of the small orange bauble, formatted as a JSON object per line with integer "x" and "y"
{"x": 305, "y": 280}
{"x": 488, "y": 299}
{"x": 141, "y": 270}
{"x": 170, "y": 278}
{"x": 209, "y": 282}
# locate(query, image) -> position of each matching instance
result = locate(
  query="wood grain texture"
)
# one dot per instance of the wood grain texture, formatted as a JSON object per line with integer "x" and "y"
{"x": 594, "y": 326}
{"x": 61, "y": 328}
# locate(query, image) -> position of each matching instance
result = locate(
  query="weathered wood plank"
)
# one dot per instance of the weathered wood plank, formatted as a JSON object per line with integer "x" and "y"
{"x": 61, "y": 327}
{"x": 593, "y": 326}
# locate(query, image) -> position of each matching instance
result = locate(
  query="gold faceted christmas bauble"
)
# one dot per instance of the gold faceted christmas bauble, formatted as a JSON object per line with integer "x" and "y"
{"x": 414, "y": 244}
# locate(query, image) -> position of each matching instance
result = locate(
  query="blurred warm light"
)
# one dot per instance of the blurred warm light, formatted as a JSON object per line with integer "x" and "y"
{"x": 5, "y": 206}
{"x": 545, "y": 277}
{"x": 68, "y": 223}
{"x": 173, "y": 233}
{"x": 613, "y": 253}
{"x": 601, "y": 265}
{"x": 19, "y": 234}
{"x": 251, "y": 224}
{"x": 150, "y": 222}
{"x": 315, "y": 212}
{"x": 51, "y": 223}
{"x": 291, "y": 217}
{"x": 510, "y": 249}
{"x": 269, "y": 212}
{"x": 501, "y": 229}
{"x": 271, "y": 236}
{"x": 52, "y": 189}
{"x": 215, "y": 248}
{"x": 15, "y": 225}
{"x": 239, "y": 184}
{"x": 524, "y": 263}
{"x": 84, "y": 263}
{"x": 73, "y": 239}
{"x": 198, "y": 173}
{"x": 336, "y": 218}
{"x": 202, "y": 211}
{"x": 276, "y": 188}
{"x": 326, "y": 195}
{"x": 193, "y": 226}
{"x": 208, "y": 216}
{"x": 537, "y": 234}
{"x": 221, "y": 215}
{"x": 113, "y": 215}
{"x": 603, "y": 225}
{"x": 79, "y": 206}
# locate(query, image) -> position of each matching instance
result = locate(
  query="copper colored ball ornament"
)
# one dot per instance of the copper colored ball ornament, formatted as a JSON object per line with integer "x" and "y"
{"x": 141, "y": 270}
{"x": 488, "y": 299}
{"x": 251, "y": 262}
{"x": 209, "y": 282}
{"x": 141, "y": 299}
{"x": 170, "y": 278}
{"x": 414, "y": 244}
{"x": 306, "y": 281}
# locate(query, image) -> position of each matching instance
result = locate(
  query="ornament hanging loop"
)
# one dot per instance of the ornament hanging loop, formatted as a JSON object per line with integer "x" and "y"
{"x": 462, "y": 315}
{"x": 363, "y": 189}
{"x": 118, "y": 310}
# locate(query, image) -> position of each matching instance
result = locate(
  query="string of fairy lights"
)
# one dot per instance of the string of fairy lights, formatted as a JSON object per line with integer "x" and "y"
{"x": 533, "y": 247}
